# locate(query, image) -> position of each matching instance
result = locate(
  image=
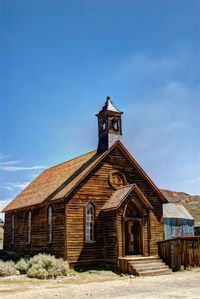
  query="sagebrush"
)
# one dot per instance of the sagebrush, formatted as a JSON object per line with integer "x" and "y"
{"x": 43, "y": 266}
{"x": 7, "y": 268}
{"x": 22, "y": 265}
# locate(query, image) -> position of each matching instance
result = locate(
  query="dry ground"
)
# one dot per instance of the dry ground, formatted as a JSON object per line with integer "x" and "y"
{"x": 104, "y": 285}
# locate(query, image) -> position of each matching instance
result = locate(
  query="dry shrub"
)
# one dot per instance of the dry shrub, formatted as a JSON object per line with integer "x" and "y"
{"x": 7, "y": 268}
{"x": 37, "y": 271}
{"x": 23, "y": 265}
{"x": 44, "y": 266}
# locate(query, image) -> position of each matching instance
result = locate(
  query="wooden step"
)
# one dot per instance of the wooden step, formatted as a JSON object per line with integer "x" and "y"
{"x": 138, "y": 263}
{"x": 149, "y": 260}
{"x": 155, "y": 272}
{"x": 147, "y": 266}
{"x": 141, "y": 258}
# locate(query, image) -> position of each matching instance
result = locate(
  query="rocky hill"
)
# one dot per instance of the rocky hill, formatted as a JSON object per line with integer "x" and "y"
{"x": 190, "y": 202}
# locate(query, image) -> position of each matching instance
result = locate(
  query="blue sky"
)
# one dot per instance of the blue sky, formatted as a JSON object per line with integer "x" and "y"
{"x": 60, "y": 59}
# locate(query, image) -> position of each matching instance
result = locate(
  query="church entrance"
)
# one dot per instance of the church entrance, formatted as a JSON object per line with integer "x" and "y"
{"x": 133, "y": 237}
{"x": 133, "y": 232}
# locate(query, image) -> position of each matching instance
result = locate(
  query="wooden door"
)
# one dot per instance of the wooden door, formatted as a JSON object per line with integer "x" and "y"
{"x": 133, "y": 237}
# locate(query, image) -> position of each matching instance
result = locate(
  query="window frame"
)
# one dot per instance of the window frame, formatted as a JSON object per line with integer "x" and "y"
{"x": 49, "y": 224}
{"x": 91, "y": 223}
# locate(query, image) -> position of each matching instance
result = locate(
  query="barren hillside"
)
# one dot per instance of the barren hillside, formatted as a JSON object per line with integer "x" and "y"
{"x": 191, "y": 202}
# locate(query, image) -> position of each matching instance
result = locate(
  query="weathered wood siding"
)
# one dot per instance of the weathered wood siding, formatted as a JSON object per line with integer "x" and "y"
{"x": 69, "y": 219}
{"x": 39, "y": 230}
{"x": 180, "y": 251}
{"x": 156, "y": 231}
{"x": 96, "y": 188}
{"x": 110, "y": 238}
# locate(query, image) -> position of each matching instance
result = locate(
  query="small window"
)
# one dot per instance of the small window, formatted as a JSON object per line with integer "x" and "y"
{"x": 49, "y": 224}
{"x": 13, "y": 229}
{"x": 89, "y": 222}
{"x": 29, "y": 226}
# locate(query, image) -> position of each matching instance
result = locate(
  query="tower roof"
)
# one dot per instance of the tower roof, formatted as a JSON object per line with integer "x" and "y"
{"x": 109, "y": 106}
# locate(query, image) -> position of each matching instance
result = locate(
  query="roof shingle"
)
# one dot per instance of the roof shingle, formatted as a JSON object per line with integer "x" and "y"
{"x": 121, "y": 194}
{"x": 49, "y": 181}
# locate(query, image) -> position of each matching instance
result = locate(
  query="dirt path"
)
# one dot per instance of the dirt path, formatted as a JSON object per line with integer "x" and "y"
{"x": 178, "y": 285}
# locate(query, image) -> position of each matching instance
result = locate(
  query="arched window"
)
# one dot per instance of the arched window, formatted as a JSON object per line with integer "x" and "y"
{"x": 132, "y": 211}
{"x": 49, "y": 224}
{"x": 13, "y": 229}
{"x": 29, "y": 227}
{"x": 89, "y": 234}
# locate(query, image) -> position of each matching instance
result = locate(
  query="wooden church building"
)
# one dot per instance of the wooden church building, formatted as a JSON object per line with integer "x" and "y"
{"x": 94, "y": 209}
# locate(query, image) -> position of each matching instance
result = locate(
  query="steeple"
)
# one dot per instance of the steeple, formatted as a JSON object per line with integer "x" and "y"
{"x": 109, "y": 125}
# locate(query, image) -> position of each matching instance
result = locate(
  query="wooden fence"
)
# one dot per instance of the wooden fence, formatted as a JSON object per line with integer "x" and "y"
{"x": 182, "y": 251}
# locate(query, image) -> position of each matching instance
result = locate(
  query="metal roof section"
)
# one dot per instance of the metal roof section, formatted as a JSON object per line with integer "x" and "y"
{"x": 171, "y": 210}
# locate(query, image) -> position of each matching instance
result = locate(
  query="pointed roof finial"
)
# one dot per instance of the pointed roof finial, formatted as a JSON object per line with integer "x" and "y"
{"x": 108, "y": 99}
{"x": 109, "y": 105}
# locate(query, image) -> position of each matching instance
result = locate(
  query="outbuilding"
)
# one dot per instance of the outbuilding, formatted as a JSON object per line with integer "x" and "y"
{"x": 178, "y": 222}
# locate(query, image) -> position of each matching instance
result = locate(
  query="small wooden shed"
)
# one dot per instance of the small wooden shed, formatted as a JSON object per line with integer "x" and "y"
{"x": 178, "y": 222}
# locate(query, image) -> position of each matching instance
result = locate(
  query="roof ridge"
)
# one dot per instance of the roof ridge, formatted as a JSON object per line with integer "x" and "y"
{"x": 70, "y": 160}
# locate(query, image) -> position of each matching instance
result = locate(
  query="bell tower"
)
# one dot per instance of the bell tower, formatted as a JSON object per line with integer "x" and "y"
{"x": 109, "y": 126}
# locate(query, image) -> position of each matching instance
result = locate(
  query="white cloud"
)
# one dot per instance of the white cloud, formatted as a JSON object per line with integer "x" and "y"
{"x": 2, "y": 156}
{"x": 10, "y": 165}
{"x": 19, "y": 168}
{"x": 15, "y": 185}
{"x": 10, "y": 162}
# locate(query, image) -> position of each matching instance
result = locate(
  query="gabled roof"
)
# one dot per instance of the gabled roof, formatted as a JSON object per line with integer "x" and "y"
{"x": 59, "y": 181}
{"x": 48, "y": 181}
{"x": 171, "y": 210}
{"x": 120, "y": 196}
{"x": 69, "y": 188}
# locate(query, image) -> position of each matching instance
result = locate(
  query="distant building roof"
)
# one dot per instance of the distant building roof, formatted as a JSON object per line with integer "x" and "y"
{"x": 171, "y": 210}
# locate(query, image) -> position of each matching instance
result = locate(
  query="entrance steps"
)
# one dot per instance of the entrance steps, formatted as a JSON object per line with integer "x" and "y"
{"x": 143, "y": 265}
